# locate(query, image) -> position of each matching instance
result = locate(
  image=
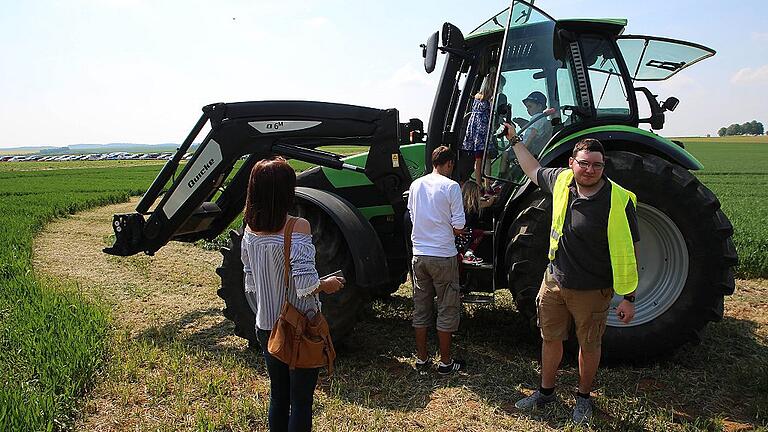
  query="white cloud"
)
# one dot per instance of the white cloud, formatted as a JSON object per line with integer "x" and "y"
{"x": 678, "y": 82}
{"x": 120, "y": 4}
{"x": 318, "y": 22}
{"x": 751, "y": 76}
{"x": 409, "y": 75}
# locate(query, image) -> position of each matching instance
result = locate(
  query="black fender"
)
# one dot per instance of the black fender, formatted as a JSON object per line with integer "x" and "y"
{"x": 629, "y": 141}
{"x": 370, "y": 261}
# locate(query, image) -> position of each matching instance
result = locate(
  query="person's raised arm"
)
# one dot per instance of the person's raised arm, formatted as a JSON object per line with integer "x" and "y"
{"x": 527, "y": 162}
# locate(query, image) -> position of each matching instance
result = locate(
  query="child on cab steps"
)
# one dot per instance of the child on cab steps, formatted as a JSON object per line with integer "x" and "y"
{"x": 467, "y": 243}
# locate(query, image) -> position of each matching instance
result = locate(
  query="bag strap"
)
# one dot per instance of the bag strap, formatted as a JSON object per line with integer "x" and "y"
{"x": 287, "y": 251}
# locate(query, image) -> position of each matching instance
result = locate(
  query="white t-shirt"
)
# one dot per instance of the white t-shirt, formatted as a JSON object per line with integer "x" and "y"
{"x": 436, "y": 208}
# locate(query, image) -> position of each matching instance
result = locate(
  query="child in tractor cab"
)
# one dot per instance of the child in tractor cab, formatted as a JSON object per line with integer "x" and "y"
{"x": 538, "y": 129}
{"x": 476, "y": 136}
{"x": 536, "y": 132}
{"x": 467, "y": 242}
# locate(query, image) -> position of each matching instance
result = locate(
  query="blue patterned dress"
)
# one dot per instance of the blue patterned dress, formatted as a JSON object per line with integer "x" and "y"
{"x": 477, "y": 127}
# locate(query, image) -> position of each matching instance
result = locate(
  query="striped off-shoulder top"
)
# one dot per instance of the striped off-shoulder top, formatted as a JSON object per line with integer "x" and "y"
{"x": 264, "y": 268}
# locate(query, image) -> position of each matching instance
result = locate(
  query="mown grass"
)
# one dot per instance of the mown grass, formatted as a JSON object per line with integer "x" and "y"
{"x": 736, "y": 170}
{"x": 51, "y": 338}
{"x": 170, "y": 378}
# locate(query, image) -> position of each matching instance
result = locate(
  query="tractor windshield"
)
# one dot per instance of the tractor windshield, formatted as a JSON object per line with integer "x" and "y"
{"x": 523, "y": 14}
{"x": 530, "y": 81}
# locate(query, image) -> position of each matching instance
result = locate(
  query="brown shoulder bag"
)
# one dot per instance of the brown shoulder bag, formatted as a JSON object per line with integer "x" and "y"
{"x": 296, "y": 340}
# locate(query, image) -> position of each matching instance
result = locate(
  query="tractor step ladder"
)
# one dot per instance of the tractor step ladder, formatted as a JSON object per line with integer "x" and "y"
{"x": 480, "y": 298}
{"x": 477, "y": 297}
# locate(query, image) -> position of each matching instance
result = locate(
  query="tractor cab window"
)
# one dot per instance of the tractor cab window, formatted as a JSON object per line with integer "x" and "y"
{"x": 609, "y": 94}
{"x": 529, "y": 90}
{"x": 655, "y": 59}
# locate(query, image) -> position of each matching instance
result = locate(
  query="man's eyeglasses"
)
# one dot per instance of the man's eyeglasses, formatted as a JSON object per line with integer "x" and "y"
{"x": 597, "y": 166}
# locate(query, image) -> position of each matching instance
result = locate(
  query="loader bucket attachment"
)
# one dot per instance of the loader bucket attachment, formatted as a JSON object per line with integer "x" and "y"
{"x": 202, "y": 198}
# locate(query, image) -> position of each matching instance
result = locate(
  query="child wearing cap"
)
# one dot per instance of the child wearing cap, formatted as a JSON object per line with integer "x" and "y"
{"x": 536, "y": 131}
{"x": 539, "y": 129}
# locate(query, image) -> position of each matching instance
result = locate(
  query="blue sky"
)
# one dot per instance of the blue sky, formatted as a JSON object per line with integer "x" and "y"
{"x": 100, "y": 71}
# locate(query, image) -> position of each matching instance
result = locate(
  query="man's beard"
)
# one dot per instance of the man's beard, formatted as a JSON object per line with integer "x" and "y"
{"x": 587, "y": 181}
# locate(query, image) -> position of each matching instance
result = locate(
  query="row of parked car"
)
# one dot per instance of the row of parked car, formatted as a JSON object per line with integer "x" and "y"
{"x": 92, "y": 157}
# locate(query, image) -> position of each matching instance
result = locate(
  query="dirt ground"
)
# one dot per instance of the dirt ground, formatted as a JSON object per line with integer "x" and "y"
{"x": 174, "y": 364}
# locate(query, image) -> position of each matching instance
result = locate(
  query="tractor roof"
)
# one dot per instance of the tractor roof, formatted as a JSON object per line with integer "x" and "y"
{"x": 496, "y": 23}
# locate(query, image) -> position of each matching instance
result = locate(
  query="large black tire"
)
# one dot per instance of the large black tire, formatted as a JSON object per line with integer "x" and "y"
{"x": 526, "y": 254}
{"x": 232, "y": 290}
{"x": 686, "y": 257}
{"x": 342, "y": 309}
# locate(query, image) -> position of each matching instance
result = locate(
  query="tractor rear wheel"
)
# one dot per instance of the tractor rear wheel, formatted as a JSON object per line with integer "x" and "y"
{"x": 341, "y": 309}
{"x": 685, "y": 255}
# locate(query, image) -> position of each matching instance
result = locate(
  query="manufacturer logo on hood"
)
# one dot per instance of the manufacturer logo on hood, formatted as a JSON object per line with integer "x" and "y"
{"x": 272, "y": 126}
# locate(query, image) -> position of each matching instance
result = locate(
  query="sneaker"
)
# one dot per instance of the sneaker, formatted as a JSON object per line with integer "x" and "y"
{"x": 470, "y": 258}
{"x": 536, "y": 400}
{"x": 582, "y": 412}
{"x": 453, "y": 367}
{"x": 423, "y": 366}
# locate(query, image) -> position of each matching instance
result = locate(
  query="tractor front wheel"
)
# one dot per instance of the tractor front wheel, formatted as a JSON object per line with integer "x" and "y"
{"x": 342, "y": 309}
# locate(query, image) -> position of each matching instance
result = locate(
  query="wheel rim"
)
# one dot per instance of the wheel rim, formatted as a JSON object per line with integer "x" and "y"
{"x": 663, "y": 267}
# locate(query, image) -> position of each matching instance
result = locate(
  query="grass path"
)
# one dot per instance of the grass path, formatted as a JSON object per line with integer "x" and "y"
{"x": 174, "y": 365}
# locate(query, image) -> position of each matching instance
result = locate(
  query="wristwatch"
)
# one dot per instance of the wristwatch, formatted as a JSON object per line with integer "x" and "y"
{"x": 515, "y": 139}
{"x": 630, "y": 298}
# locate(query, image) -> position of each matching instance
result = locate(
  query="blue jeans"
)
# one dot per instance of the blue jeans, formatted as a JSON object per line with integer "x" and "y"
{"x": 291, "y": 392}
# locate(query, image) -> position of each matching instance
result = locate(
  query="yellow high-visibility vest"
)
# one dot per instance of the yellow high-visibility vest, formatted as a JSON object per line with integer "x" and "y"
{"x": 620, "y": 245}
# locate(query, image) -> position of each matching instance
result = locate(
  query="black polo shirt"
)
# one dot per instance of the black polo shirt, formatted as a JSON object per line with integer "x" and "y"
{"x": 583, "y": 261}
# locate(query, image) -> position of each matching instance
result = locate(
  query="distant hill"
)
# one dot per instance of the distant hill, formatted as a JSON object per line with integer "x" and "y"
{"x": 97, "y": 148}
{"x": 113, "y": 147}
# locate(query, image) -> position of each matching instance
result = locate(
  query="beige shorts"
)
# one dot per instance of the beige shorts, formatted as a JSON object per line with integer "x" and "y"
{"x": 436, "y": 277}
{"x": 557, "y": 307}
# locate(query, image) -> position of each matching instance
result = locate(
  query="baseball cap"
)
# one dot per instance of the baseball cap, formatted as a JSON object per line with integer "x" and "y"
{"x": 537, "y": 97}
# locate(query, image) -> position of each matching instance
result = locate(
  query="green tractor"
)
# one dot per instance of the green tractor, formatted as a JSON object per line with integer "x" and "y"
{"x": 589, "y": 72}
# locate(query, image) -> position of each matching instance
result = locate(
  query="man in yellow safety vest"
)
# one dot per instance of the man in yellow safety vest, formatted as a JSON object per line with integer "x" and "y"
{"x": 592, "y": 255}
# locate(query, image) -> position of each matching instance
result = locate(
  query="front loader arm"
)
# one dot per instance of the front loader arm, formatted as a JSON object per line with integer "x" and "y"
{"x": 198, "y": 205}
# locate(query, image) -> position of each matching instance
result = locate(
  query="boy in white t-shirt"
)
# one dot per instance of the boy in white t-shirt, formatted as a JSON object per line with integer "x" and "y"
{"x": 437, "y": 214}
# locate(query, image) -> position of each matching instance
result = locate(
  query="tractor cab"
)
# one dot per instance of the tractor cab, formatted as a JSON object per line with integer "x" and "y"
{"x": 586, "y": 70}
{"x": 555, "y": 81}
{"x": 584, "y": 74}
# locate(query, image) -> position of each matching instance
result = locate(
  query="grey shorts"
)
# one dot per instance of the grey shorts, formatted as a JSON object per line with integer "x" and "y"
{"x": 436, "y": 277}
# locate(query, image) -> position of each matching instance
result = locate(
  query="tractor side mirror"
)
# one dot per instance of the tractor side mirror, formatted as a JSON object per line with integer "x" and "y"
{"x": 670, "y": 104}
{"x": 429, "y": 52}
{"x": 656, "y": 119}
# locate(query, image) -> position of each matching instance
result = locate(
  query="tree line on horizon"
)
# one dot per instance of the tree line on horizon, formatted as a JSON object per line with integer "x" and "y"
{"x": 749, "y": 128}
